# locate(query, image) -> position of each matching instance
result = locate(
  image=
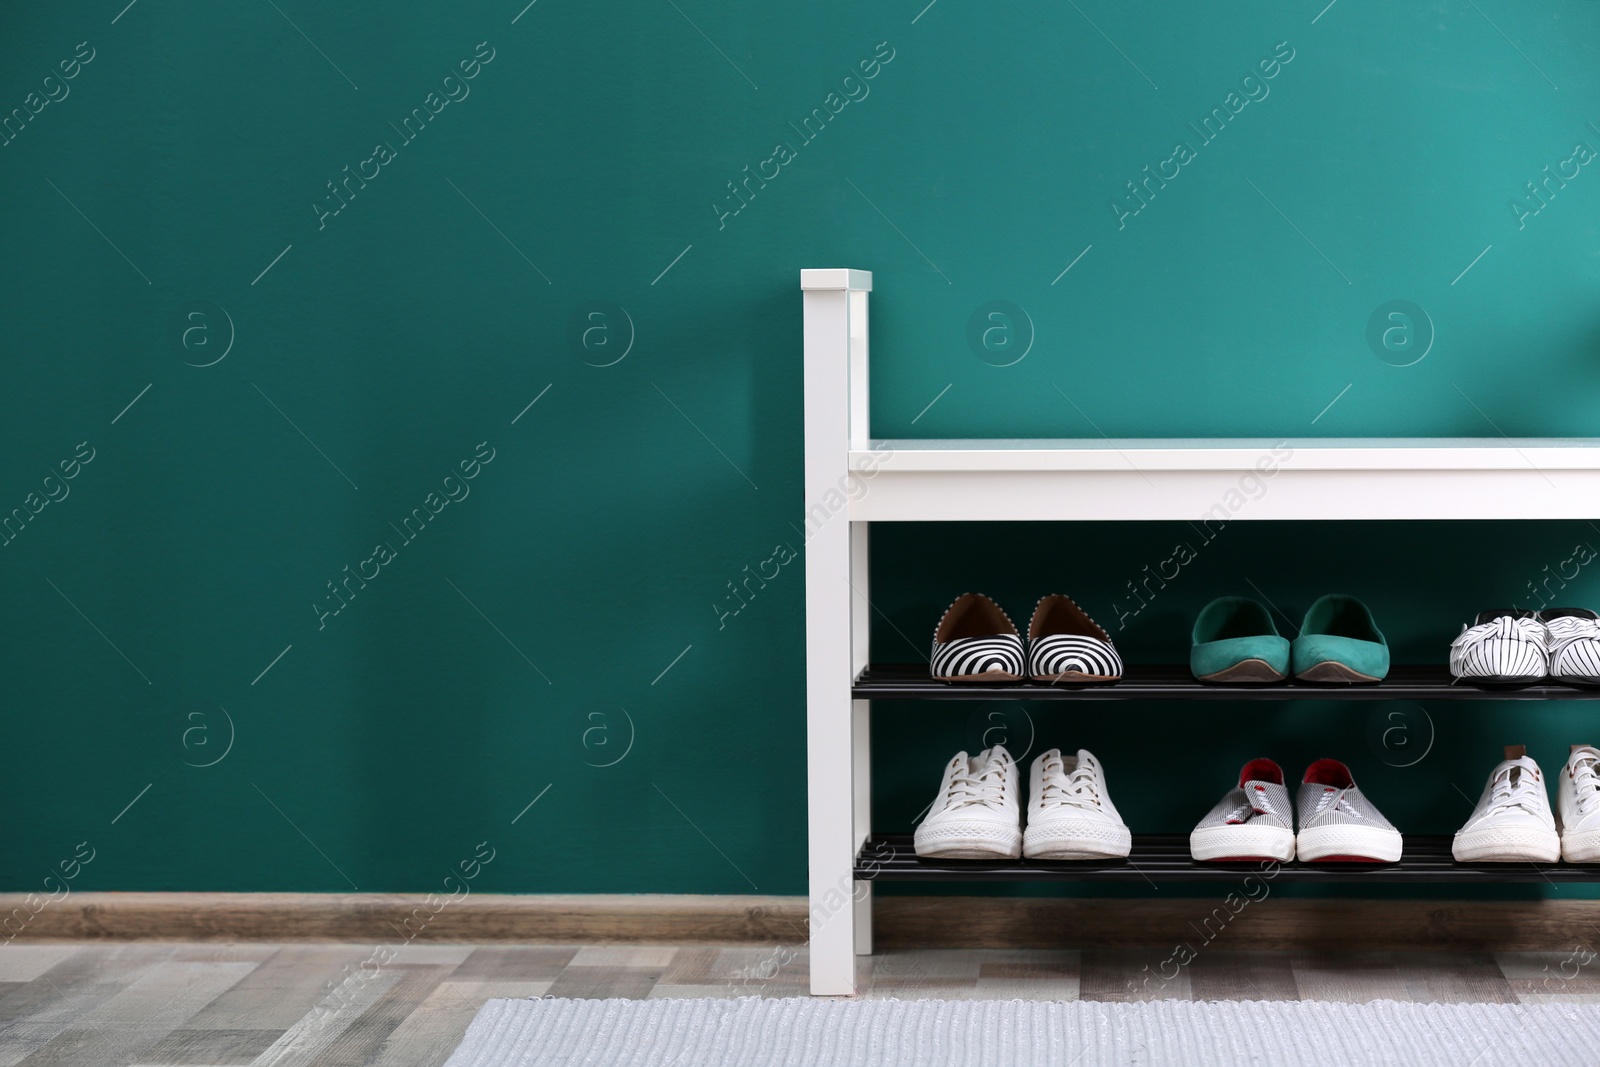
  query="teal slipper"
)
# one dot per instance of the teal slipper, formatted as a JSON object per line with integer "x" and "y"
{"x": 1235, "y": 642}
{"x": 1339, "y": 642}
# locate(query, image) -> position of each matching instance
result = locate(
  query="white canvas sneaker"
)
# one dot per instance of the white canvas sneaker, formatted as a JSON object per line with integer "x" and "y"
{"x": 1512, "y": 822}
{"x": 976, "y": 815}
{"x": 1578, "y": 801}
{"x": 1070, "y": 814}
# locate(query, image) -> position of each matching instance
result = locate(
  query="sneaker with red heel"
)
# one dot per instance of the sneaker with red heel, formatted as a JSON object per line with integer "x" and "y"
{"x": 1253, "y": 821}
{"x": 1337, "y": 823}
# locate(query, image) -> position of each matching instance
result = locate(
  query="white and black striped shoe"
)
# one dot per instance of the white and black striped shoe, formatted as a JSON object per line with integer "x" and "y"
{"x": 1065, "y": 645}
{"x": 1574, "y": 644}
{"x": 976, "y": 642}
{"x": 1507, "y": 646}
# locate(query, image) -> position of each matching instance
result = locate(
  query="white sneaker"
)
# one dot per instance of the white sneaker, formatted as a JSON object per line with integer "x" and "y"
{"x": 1578, "y": 800}
{"x": 976, "y": 815}
{"x": 1070, "y": 814}
{"x": 1512, "y": 821}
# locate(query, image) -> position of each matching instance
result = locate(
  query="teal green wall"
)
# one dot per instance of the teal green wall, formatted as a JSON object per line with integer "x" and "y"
{"x": 563, "y": 614}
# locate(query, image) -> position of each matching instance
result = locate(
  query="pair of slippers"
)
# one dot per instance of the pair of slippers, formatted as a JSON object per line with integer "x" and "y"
{"x": 976, "y": 642}
{"x": 1236, "y": 643}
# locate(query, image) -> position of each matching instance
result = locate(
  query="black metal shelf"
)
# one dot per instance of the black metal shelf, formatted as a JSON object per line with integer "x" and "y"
{"x": 910, "y": 681}
{"x": 1165, "y": 858}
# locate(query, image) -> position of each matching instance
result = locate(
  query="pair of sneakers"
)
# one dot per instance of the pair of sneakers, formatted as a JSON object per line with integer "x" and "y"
{"x": 1514, "y": 646}
{"x": 976, "y": 641}
{"x": 1513, "y": 821}
{"x": 978, "y": 812}
{"x": 1255, "y": 820}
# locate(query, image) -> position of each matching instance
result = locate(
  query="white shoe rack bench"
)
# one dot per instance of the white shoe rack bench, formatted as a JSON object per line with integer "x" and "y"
{"x": 852, "y": 480}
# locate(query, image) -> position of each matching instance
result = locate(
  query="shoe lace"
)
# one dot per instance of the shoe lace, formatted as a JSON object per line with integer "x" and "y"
{"x": 1333, "y": 799}
{"x": 1078, "y": 789}
{"x": 1257, "y": 802}
{"x": 1261, "y": 800}
{"x": 1586, "y": 783}
{"x": 985, "y": 787}
{"x": 1514, "y": 787}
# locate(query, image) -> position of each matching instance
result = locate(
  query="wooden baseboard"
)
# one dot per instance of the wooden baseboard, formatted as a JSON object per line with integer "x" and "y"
{"x": 383, "y": 917}
{"x": 899, "y": 922}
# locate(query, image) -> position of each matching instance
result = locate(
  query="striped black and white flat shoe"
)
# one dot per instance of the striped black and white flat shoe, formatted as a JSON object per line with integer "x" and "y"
{"x": 977, "y": 642}
{"x": 1506, "y": 646}
{"x": 1065, "y": 645}
{"x": 1574, "y": 645}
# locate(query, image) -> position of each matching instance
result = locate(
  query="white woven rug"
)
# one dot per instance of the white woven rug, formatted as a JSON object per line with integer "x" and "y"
{"x": 751, "y": 1032}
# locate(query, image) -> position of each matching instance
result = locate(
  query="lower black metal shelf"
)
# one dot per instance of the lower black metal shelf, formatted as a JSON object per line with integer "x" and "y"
{"x": 1165, "y": 858}
{"x": 1144, "y": 681}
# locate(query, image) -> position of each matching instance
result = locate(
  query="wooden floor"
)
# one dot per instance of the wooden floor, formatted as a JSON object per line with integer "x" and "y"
{"x": 118, "y": 1005}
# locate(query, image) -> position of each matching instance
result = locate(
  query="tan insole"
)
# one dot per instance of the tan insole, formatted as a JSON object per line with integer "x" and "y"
{"x": 1334, "y": 672}
{"x": 1245, "y": 671}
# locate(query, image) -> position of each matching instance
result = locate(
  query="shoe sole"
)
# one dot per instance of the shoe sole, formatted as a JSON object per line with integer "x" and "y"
{"x": 1077, "y": 841}
{"x": 980, "y": 679}
{"x": 1075, "y": 676}
{"x": 1348, "y": 844}
{"x": 1495, "y": 844}
{"x": 1507, "y": 681}
{"x": 1333, "y": 671}
{"x": 1578, "y": 681}
{"x": 1245, "y": 672}
{"x": 1581, "y": 846}
{"x": 969, "y": 842}
{"x": 1241, "y": 844}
